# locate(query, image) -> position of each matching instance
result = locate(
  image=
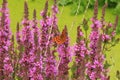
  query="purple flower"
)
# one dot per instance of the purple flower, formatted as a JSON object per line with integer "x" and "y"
{"x": 5, "y": 36}
{"x": 51, "y": 70}
{"x": 97, "y": 23}
{"x": 42, "y": 13}
{"x": 65, "y": 56}
{"x": 113, "y": 33}
{"x": 49, "y": 21}
{"x": 55, "y": 9}
{"x": 29, "y": 59}
{"x": 80, "y": 52}
{"x": 95, "y": 67}
{"x": 110, "y": 25}
{"x": 7, "y": 66}
{"x": 106, "y": 37}
{"x": 42, "y": 23}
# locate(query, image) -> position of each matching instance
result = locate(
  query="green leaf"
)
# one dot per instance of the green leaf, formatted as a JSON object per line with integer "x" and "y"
{"x": 73, "y": 70}
{"x": 64, "y": 2}
{"x": 117, "y": 9}
{"x": 118, "y": 74}
{"x": 118, "y": 28}
{"x": 106, "y": 65}
{"x": 85, "y": 24}
{"x": 115, "y": 1}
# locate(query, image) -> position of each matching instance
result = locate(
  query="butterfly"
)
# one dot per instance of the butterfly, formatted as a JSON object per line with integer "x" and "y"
{"x": 60, "y": 39}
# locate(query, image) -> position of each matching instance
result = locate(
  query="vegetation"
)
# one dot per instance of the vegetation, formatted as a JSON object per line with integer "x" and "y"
{"x": 35, "y": 49}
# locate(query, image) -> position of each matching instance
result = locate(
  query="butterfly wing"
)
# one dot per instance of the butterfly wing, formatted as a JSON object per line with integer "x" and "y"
{"x": 61, "y": 38}
{"x": 64, "y": 35}
{"x": 57, "y": 39}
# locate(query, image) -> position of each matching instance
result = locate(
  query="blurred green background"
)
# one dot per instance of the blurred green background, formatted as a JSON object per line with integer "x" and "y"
{"x": 67, "y": 17}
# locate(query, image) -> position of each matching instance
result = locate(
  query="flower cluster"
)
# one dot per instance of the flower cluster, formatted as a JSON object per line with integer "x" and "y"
{"x": 6, "y": 68}
{"x": 80, "y": 52}
{"x": 95, "y": 67}
{"x": 65, "y": 57}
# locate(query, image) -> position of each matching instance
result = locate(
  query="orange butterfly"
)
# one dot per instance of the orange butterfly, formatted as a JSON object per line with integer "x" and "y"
{"x": 60, "y": 39}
